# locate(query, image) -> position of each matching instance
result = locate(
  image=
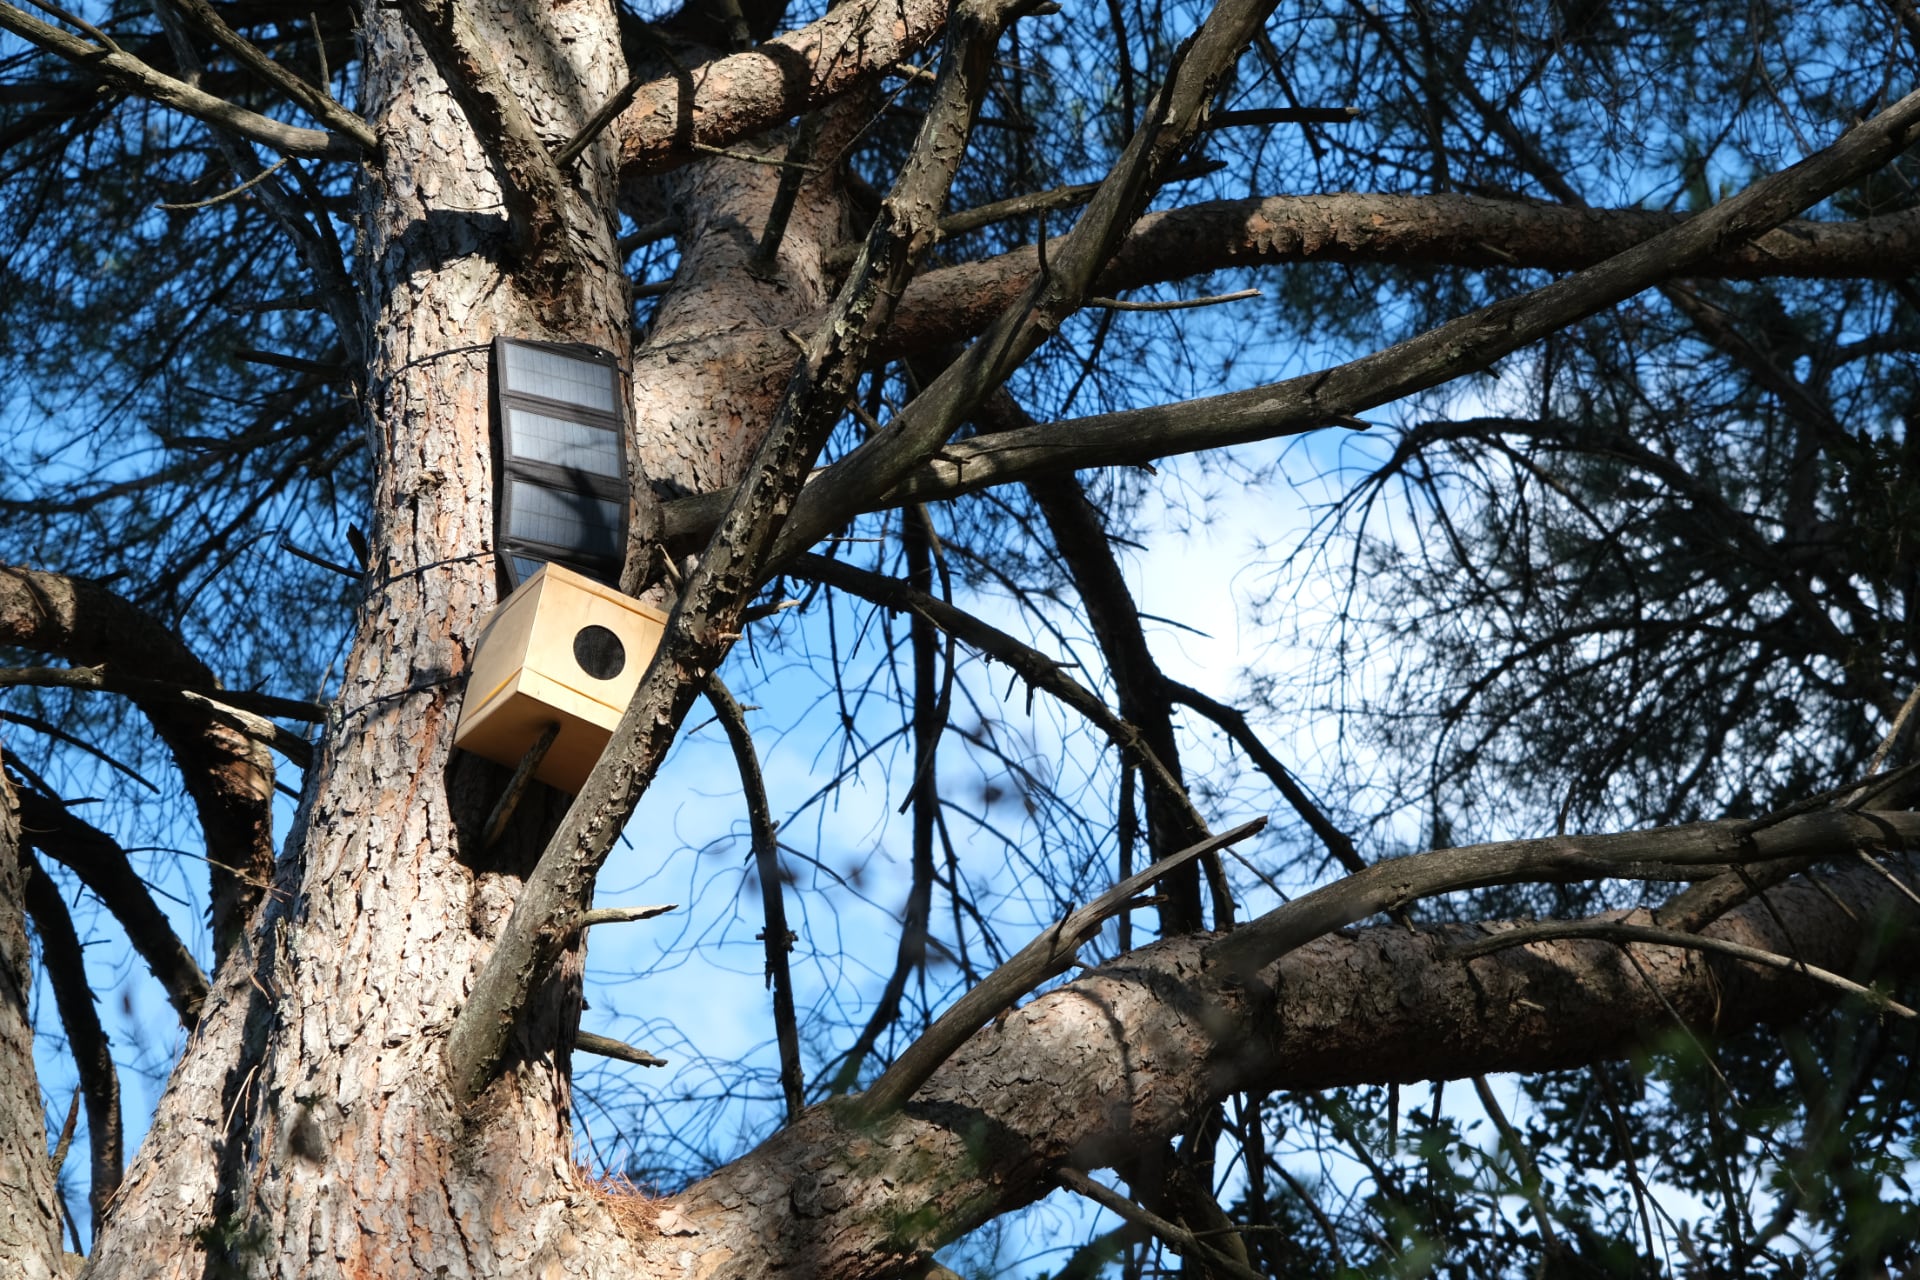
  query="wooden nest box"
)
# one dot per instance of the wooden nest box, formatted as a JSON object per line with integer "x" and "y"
{"x": 562, "y": 649}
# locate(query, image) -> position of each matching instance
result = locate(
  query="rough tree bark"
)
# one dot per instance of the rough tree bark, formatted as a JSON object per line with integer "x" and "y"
{"x": 30, "y": 1214}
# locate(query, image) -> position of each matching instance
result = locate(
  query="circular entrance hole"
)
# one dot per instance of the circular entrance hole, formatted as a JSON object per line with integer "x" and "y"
{"x": 599, "y": 652}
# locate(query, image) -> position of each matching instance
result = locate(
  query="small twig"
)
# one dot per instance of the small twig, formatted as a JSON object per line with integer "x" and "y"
{"x": 294, "y": 364}
{"x": 1181, "y": 1239}
{"x": 65, "y": 1139}
{"x": 597, "y": 123}
{"x": 622, "y": 915}
{"x": 1634, "y": 1180}
{"x": 1177, "y": 304}
{"x": 1892, "y": 879}
{"x": 517, "y": 786}
{"x": 58, "y": 734}
{"x": 1283, "y": 115}
{"x": 1523, "y": 1162}
{"x": 1895, "y": 733}
{"x": 1314, "y": 1210}
{"x": 620, "y": 1050}
{"x": 1233, "y": 722}
{"x": 261, "y": 176}
{"x": 292, "y": 302}
{"x": 748, "y": 157}
{"x": 982, "y": 215}
{"x": 1651, "y": 935}
{"x": 286, "y": 545}
{"x": 1050, "y": 954}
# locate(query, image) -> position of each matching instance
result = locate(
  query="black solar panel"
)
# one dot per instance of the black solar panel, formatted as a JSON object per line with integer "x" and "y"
{"x": 563, "y": 447}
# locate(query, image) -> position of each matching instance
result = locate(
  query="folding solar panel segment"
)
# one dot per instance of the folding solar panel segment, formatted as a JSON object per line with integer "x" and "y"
{"x": 563, "y": 498}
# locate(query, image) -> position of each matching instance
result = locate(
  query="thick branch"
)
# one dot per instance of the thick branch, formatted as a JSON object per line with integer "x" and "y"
{"x": 1694, "y": 851}
{"x": 918, "y": 467}
{"x": 66, "y": 968}
{"x": 127, "y": 73}
{"x": 229, "y": 776}
{"x": 102, "y": 866}
{"x": 1450, "y": 230}
{"x": 1126, "y": 1056}
{"x": 747, "y": 93}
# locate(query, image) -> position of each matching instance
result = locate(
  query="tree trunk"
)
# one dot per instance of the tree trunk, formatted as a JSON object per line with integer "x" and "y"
{"x": 308, "y": 1131}
{"x": 29, "y": 1205}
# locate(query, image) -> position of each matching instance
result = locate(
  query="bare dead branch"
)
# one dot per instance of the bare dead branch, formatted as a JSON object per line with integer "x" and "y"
{"x": 778, "y": 939}
{"x": 619, "y": 1050}
{"x": 1183, "y": 1241}
{"x": 1032, "y": 666}
{"x": 1047, "y": 956}
{"x": 1651, "y": 935}
{"x": 928, "y": 711}
{"x": 1234, "y": 723}
{"x": 66, "y": 969}
{"x": 127, "y": 73}
{"x": 102, "y": 866}
{"x": 313, "y": 98}
{"x": 1696, "y": 850}
{"x": 623, "y": 915}
{"x": 1175, "y": 304}
{"x": 919, "y": 430}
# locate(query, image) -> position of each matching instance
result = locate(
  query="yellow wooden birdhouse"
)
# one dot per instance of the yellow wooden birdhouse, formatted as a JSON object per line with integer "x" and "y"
{"x": 565, "y": 650}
